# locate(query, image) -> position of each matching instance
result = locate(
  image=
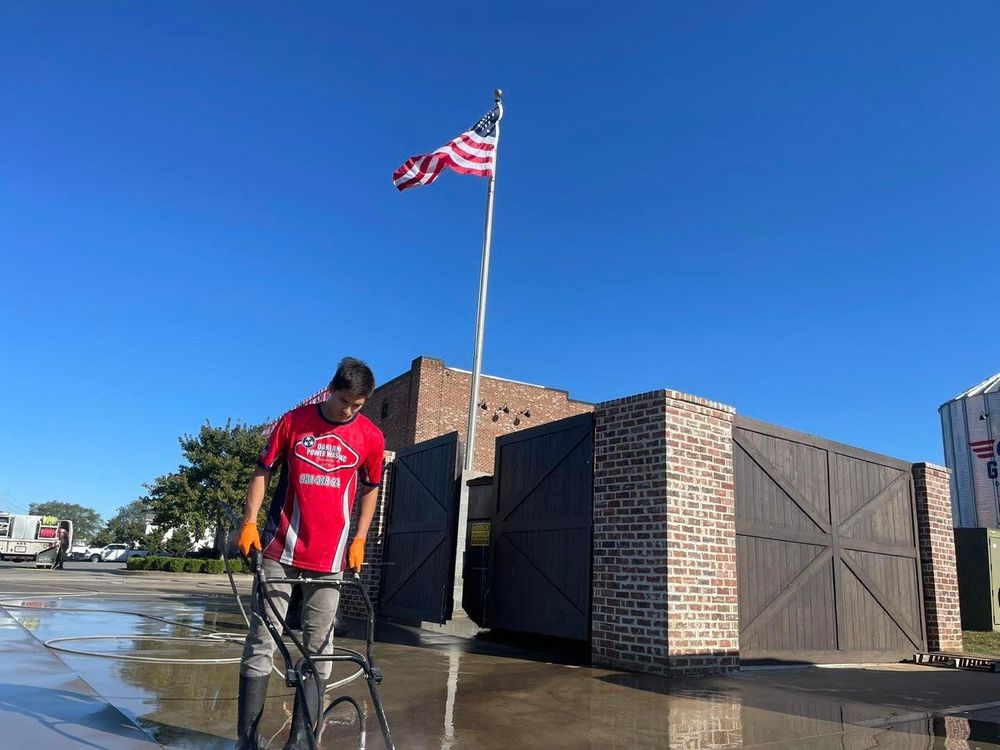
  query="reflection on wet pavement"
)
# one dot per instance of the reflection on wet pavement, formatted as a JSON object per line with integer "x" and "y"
{"x": 445, "y": 697}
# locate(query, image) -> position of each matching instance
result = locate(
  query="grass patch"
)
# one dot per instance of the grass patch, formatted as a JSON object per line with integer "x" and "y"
{"x": 985, "y": 643}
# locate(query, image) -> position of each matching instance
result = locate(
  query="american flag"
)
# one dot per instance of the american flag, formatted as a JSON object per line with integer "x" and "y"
{"x": 473, "y": 152}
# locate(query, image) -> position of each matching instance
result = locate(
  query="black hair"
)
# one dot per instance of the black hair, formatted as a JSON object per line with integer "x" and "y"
{"x": 353, "y": 376}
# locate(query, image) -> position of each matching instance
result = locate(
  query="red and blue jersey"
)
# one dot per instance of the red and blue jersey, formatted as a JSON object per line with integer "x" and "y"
{"x": 321, "y": 462}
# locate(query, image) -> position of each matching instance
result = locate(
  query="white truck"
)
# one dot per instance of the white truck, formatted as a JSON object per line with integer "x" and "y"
{"x": 112, "y": 553}
{"x": 42, "y": 539}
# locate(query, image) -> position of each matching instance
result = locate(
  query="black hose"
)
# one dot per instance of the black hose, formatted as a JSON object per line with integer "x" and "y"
{"x": 358, "y": 709}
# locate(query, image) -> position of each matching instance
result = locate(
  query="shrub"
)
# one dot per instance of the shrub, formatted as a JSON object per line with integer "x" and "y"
{"x": 174, "y": 564}
{"x": 185, "y": 565}
{"x": 214, "y": 566}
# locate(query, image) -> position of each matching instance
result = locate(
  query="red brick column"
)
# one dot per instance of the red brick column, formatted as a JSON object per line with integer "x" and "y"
{"x": 629, "y": 589}
{"x": 664, "y": 575}
{"x": 703, "y": 622}
{"x": 351, "y": 603}
{"x": 937, "y": 557}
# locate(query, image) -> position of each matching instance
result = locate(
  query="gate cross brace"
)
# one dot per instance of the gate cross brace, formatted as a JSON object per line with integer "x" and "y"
{"x": 419, "y": 560}
{"x": 555, "y": 464}
{"x": 540, "y": 572}
{"x": 419, "y": 481}
{"x": 786, "y": 593}
{"x": 870, "y": 504}
{"x": 880, "y": 599}
{"x": 783, "y": 482}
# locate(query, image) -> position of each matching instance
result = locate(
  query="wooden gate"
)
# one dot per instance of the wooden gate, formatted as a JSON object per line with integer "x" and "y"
{"x": 539, "y": 570}
{"x": 421, "y": 532}
{"x": 827, "y": 549}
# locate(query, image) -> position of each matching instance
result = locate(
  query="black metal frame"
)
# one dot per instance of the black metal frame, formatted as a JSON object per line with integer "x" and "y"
{"x": 304, "y": 668}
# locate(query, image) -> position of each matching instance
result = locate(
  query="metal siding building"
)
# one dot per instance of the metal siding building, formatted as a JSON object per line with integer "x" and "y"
{"x": 970, "y": 427}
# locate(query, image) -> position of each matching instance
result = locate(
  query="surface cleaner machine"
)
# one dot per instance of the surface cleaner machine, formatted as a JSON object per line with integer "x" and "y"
{"x": 298, "y": 672}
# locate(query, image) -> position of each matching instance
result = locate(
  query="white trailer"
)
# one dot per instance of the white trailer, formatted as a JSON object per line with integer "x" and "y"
{"x": 42, "y": 539}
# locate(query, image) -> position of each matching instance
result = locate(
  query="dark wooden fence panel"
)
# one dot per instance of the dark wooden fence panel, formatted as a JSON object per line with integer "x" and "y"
{"x": 421, "y": 532}
{"x": 827, "y": 549}
{"x": 540, "y": 561}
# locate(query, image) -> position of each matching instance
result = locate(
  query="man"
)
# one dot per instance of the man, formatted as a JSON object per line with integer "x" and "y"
{"x": 324, "y": 451}
{"x": 63, "y": 548}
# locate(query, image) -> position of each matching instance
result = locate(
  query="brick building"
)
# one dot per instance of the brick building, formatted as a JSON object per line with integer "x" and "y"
{"x": 432, "y": 399}
{"x": 715, "y": 538}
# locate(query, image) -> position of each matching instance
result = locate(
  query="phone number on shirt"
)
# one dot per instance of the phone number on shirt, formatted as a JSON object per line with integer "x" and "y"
{"x": 320, "y": 480}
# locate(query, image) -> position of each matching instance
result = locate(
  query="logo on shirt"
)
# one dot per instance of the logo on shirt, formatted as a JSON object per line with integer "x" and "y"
{"x": 327, "y": 452}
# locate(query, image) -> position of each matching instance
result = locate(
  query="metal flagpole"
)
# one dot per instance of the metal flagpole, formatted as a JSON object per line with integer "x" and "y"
{"x": 484, "y": 274}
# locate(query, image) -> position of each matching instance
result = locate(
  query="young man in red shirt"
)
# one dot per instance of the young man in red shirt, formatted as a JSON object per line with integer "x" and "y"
{"x": 324, "y": 452}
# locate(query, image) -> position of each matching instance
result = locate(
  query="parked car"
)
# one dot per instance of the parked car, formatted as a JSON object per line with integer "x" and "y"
{"x": 78, "y": 552}
{"x": 113, "y": 553}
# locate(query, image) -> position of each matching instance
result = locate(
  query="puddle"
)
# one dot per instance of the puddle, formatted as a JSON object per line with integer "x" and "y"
{"x": 445, "y": 697}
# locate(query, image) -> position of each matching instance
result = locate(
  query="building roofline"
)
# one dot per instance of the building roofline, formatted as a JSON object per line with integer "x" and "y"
{"x": 393, "y": 380}
{"x": 521, "y": 382}
{"x": 990, "y": 385}
{"x": 408, "y": 373}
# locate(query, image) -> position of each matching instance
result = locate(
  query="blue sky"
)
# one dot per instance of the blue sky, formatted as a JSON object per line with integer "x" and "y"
{"x": 788, "y": 207}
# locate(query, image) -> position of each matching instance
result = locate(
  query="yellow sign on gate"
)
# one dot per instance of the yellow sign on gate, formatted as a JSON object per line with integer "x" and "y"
{"x": 481, "y": 534}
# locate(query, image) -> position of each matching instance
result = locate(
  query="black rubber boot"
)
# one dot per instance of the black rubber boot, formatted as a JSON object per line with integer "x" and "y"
{"x": 253, "y": 693}
{"x": 298, "y": 738}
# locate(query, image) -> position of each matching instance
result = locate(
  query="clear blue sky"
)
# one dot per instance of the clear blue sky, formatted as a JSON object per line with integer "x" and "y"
{"x": 789, "y": 207}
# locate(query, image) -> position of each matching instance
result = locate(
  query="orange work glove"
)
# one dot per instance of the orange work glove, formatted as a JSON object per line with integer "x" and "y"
{"x": 248, "y": 538}
{"x": 356, "y": 554}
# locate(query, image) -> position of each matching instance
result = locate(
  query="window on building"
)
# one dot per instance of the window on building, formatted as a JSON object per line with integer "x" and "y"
{"x": 385, "y": 409}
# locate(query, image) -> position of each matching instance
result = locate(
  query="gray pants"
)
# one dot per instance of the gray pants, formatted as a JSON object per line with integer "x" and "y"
{"x": 319, "y": 609}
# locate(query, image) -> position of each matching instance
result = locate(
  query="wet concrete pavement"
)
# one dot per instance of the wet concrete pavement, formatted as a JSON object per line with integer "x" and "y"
{"x": 438, "y": 695}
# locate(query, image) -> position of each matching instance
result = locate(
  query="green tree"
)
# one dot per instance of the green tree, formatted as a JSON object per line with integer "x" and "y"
{"x": 127, "y": 526}
{"x": 219, "y": 462}
{"x": 86, "y": 521}
{"x": 179, "y": 542}
{"x": 155, "y": 541}
{"x": 102, "y": 537}
{"x": 174, "y": 503}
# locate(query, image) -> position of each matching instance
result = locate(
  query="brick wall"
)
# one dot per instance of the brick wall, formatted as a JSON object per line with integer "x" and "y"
{"x": 702, "y": 601}
{"x": 937, "y": 557}
{"x": 664, "y": 569}
{"x": 397, "y": 401}
{"x": 433, "y": 400}
{"x": 629, "y": 590}
{"x": 351, "y": 603}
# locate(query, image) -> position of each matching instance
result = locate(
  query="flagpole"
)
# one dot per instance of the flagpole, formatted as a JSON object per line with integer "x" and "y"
{"x": 484, "y": 274}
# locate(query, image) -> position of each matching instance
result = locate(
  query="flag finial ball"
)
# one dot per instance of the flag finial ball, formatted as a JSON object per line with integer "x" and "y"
{"x": 498, "y": 94}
